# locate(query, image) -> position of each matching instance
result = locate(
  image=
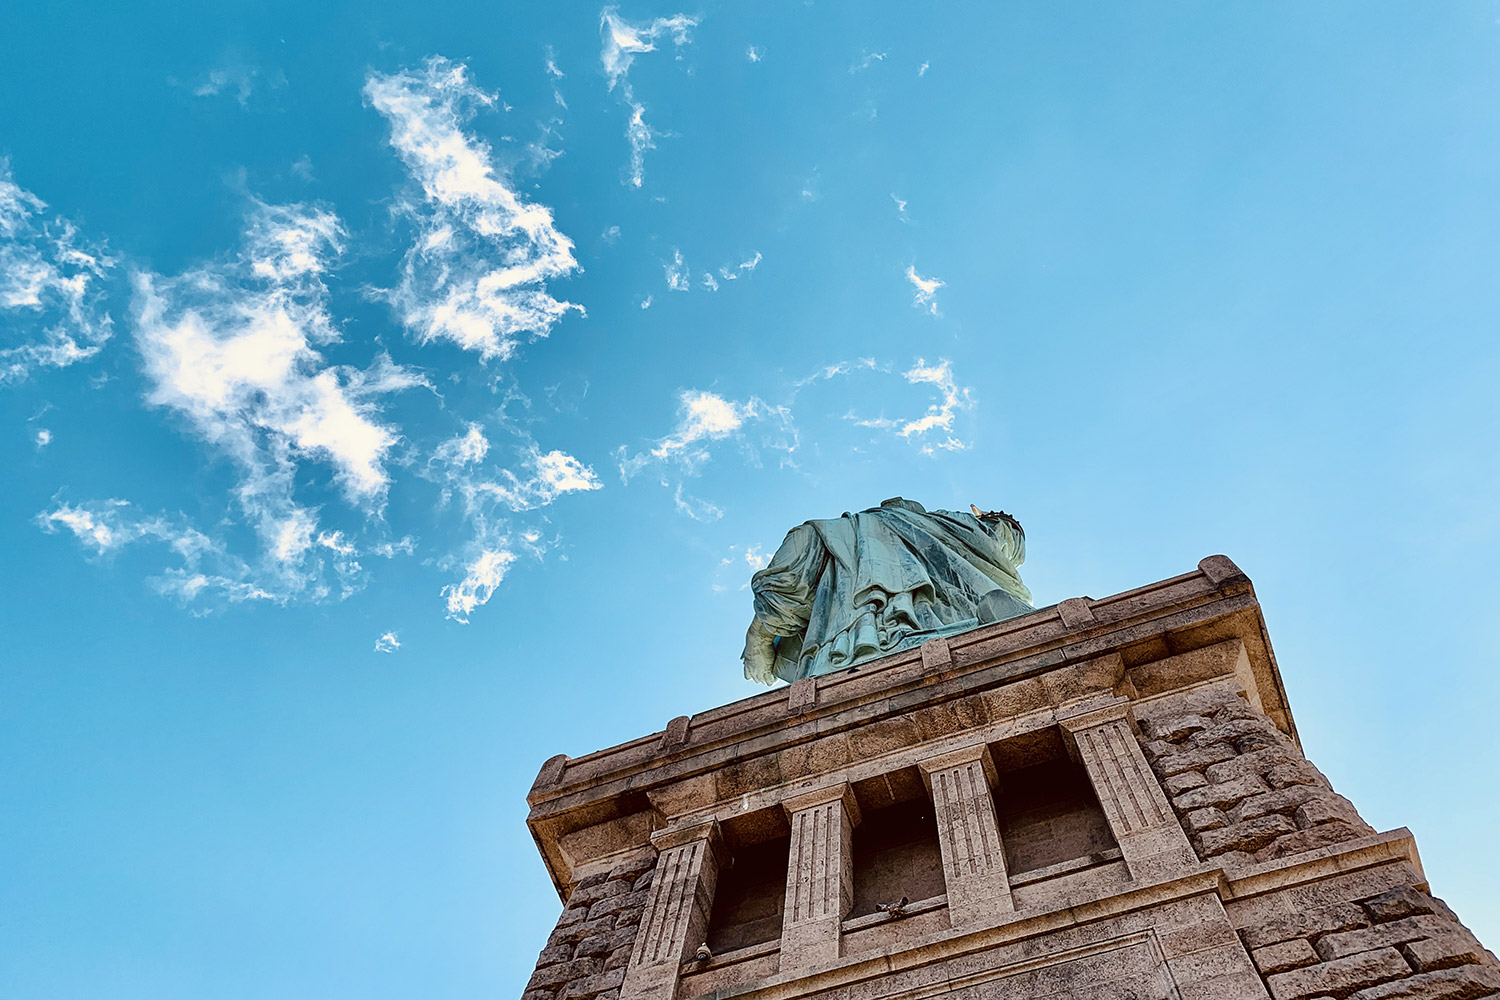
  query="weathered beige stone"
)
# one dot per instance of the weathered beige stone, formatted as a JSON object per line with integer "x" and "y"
{"x": 1165, "y": 701}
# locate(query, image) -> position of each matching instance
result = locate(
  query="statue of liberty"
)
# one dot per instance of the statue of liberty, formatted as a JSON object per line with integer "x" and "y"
{"x": 842, "y": 591}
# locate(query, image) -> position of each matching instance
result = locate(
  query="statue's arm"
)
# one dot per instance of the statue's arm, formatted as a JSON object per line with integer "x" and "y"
{"x": 784, "y": 593}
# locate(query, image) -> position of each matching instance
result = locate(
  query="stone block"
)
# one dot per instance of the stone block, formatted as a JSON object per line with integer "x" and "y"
{"x": 1175, "y": 729}
{"x": 1304, "y": 923}
{"x": 1227, "y": 794}
{"x": 1327, "y": 808}
{"x": 1341, "y": 977}
{"x": 1195, "y": 759}
{"x": 1444, "y": 952}
{"x": 1207, "y": 818}
{"x": 618, "y": 959}
{"x": 1233, "y": 730}
{"x": 538, "y": 994}
{"x": 1293, "y": 954}
{"x": 1018, "y": 698}
{"x": 633, "y": 868}
{"x": 1184, "y": 782}
{"x": 643, "y": 881}
{"x": 1250, "y": 835}
{"x": 627, "y": 900}
{"x": 1394, "y": 904}
{"x": 1284, "y": 800}
{"x": 592, "y": 947}
{"x": 1310, "y": 840}
{"x": 1295, "y": 772}
{"x": 1332, "y": 946}
{"x": 558, "y": 975}
{"x": 573, "y": 915}
{"x": 1257, "y": 763}
{"x": 552, "y": 954}
{"x": 592, "y": 986}
{"x": 1467, "y": 982}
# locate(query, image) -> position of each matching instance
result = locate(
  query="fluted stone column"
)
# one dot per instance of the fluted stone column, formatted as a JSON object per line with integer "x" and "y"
{"x": 820, "y": 875}
{"x": 968, "y": 835}
{"x": 675, "y": 920}
{"x": 1140, "y": 817}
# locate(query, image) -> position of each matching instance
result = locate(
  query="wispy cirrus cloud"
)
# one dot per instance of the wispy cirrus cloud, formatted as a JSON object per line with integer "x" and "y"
{"x": 925, "y": 296}
{"x": 233, "y": 350}
{"x": 489, "y": 497}
{"x": 477, "y": 273}
{"x": 52, "y": 287}
{"x": 679, "y": 278}
{"x": 933, "y": 430}
{"x": 621, "y": 42}
{"x": 388, "y": 642}
{"x": 866, "y": 60}
{"x": 706, "y": 420}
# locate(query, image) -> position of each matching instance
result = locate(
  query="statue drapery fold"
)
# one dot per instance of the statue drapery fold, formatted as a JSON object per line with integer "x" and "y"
{"x": 844, "y": 590}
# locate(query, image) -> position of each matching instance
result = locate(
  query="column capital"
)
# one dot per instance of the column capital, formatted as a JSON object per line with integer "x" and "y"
{"x": 676, "y": 836}
{"x": 1092, "y": 714}
{"x": 979, "y": 753}
{"x": 842, "y": 791}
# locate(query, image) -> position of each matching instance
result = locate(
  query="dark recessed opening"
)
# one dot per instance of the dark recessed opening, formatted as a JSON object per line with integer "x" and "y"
{"x": 896, "y": 854}
{"x": 1049, "y": 814}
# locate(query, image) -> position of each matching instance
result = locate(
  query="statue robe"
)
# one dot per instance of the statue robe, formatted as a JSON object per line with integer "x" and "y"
{"x": 841, "y": 591}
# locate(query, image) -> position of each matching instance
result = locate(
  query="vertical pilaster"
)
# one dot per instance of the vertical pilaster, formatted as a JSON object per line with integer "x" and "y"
{"x": 968, "y": 835}
{"x": 675, "y": 920}
{"x": 820, "y": 875}
{"x": 1140, "y": 817}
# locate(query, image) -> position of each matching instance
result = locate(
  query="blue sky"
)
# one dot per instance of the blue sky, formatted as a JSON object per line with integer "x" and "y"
{"x": 396, "y": 395}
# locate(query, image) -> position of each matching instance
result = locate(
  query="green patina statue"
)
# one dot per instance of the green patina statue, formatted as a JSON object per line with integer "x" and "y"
{"x": 842, "y": 591}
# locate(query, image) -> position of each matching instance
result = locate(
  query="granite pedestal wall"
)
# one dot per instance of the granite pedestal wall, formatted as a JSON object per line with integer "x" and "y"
{"x": 1102, "y": 798}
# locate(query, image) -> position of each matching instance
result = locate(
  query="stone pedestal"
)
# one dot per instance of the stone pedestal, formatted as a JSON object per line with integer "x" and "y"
{"x": 1103, "y": 798}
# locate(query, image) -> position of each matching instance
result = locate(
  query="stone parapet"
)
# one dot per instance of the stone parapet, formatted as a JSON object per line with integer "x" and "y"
{"x": 1103, "y": 798}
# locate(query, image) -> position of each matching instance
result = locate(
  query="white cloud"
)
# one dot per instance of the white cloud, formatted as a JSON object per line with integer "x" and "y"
{"x": 679, "y": 278}
{"x": 754, "y": 53}
{"x": 481, "y": 577}
{"x": 232, "y": 350}
{"x": 551, "y": 475}
{"x": 867, "y": 60}
{"x": 43, "y": 438}
{"x": 925, "y": 296}
{"x": 51, "y": 287}
{"x": 106, "y": 527}
{"x": 640, "y": 136}
{"x": 623, "y": 41}
{"x": 901, "y": 210}
{"x": 646, "y": 302}
{"x": 934, "y": 428}
{"x": 922, "y": 69}
{"x": 704, "y": 418}
{"x": 710, "y": 282}
{"x": 476, "y": 274}
{"x": 239, "y": 79}
{"x": 698, "y": 510}
{"x": 466, "y": 449}
{"x": 756, "y": 559}
{"x": 752, "y": 263}
{"x": 387, "y": 643}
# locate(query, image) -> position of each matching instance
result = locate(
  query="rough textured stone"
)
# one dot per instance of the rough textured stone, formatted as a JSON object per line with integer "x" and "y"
{"x": 1381, "y": 935}
{"x": 1285, "y": 800}
{"x": 1305, "y": 923}
{"x": 1226, "y": 794}
{"x": 1250, "y": 835}
{"x": 1467, "y": 982}
{"x": 1207, "y": 818}
{"x": 1395, "y": 904}
{"x": 1186, "y": 781}
{"x": 1444, "y": 952}
{"x": 1310, "y": 839}
{"x": 1340, "y": 977}
{"x": 1193, "y": 760}
{"x": 1293, "y": 954}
